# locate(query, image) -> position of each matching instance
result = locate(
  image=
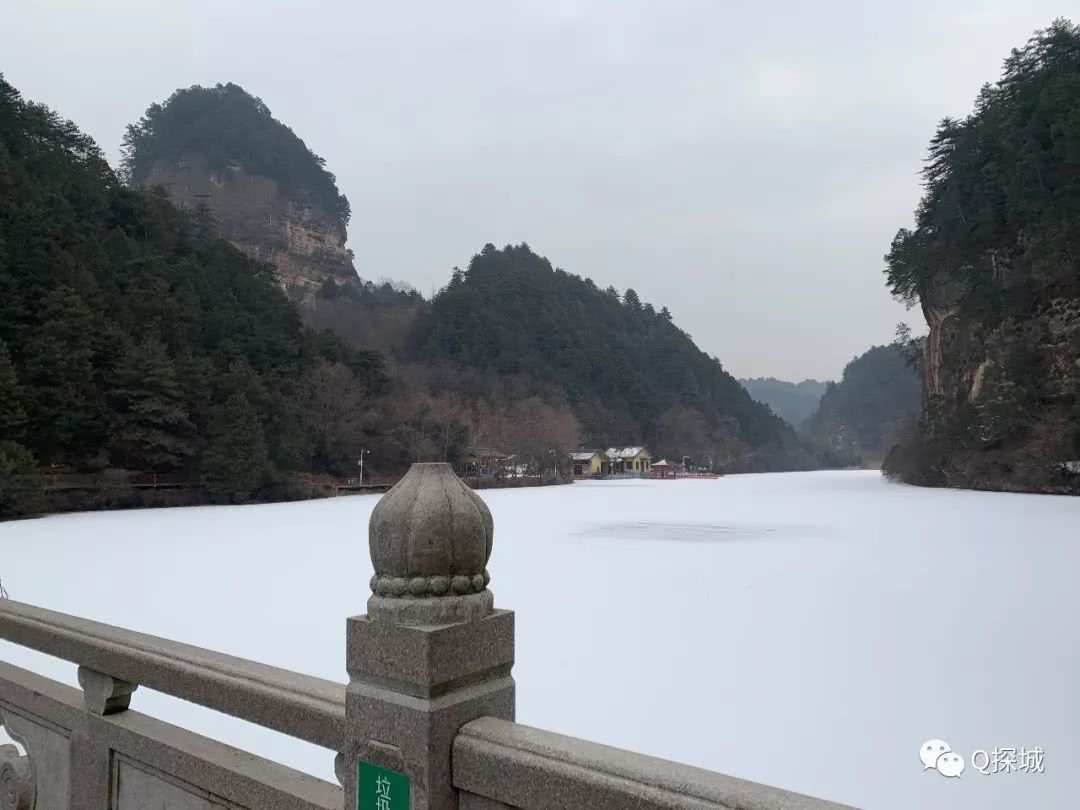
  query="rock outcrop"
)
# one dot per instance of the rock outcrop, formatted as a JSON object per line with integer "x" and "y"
{"x": 305, "y": 243}
{"x": 1014, "y": 379}
{"x": 993, "y": 262}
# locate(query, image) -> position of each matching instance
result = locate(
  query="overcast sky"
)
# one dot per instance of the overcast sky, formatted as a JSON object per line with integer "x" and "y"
{"x": 744, "y": 164}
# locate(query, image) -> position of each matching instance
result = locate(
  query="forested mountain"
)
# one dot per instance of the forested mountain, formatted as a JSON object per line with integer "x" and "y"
{"x": 227, "y": 126}
{"x": 367, "y": 315}
{"x": 859, "y": 417}
{"x": 131, "y": 338}
{"x": 994, "y": 262}
{"x": 629, "y": 373}
{"x": 221, "y": 147}
{"x": 793, "y": 402}
{"x": 218, "y": 151}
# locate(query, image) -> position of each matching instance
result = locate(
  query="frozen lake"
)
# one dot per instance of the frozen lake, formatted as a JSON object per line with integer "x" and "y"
{"x": 805, "y": 630}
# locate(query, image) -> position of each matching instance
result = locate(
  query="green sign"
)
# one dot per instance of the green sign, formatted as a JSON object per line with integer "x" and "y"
{"x": 380, "y": 789}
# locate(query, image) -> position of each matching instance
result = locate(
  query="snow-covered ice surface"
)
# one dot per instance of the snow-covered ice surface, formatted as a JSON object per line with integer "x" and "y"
{"x": 808, "y": 630}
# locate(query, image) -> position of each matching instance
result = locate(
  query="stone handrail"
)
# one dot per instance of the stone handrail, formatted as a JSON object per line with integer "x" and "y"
{"x": 522, "y": 767}
{"x": 77, "y": 758}
{"x": 301, "y": 706}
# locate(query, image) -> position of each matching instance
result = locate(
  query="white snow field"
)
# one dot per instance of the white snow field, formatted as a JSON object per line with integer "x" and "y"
{"x": 805, "y": 630}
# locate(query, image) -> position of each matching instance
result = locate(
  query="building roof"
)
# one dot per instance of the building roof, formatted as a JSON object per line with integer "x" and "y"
{"x": 662, "y": 463}
{"x": 622, "y": 452}
{"x": 584, "y": 455}
{"x": 485, "y": 452}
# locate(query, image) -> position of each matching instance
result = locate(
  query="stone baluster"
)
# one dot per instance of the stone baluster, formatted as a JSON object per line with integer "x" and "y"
{"x": 104, "y": 694}
{"x": 90, "y": 760}
{"x": 432, "y": 653}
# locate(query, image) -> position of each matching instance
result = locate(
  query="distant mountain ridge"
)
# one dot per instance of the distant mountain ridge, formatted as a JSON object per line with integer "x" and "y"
{"x": 861, "y": 416}
{"x": 792, "y": 402}
{"x": 631, "y": 375}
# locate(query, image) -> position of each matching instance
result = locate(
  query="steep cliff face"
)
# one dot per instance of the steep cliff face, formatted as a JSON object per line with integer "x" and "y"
{"x": 304, "y": 242}
{"x": 1002, "y": 391}
{"x": 266, "y": 191}
{"x": 968, "y": 360}
{"x": 994, "y": 262}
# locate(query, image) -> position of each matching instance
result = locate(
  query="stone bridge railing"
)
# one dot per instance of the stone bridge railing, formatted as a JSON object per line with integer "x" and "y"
{"x": 425, "y": 722}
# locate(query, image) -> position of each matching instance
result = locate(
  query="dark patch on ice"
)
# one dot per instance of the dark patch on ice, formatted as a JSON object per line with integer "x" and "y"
{"x": 680, "y": 532}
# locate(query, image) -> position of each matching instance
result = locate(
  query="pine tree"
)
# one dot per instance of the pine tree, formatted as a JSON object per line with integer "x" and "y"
{"x": 64, "y": 402}
{"x": 12, "y": 413}
{"x": 20, "y": 482}
{"x": 153, "y": 430}
{"x": 236, "y": 463}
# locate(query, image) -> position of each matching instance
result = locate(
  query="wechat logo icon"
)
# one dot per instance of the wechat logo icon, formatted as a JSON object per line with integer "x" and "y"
{"x": 938, "y": 754}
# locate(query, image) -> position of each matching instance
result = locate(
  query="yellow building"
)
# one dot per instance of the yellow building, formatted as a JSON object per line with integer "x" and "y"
{"x": 587, "y": 462}
{"x": 631, "y": 460}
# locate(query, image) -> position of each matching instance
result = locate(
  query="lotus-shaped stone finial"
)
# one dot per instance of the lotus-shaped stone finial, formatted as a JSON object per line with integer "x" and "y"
{"x": 430, "y": 539}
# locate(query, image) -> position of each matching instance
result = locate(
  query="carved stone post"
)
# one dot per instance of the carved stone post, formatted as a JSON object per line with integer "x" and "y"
{"x": 104, "y": 694}
{"x": 90, "y": 758}
{"x": 432, "y": 653}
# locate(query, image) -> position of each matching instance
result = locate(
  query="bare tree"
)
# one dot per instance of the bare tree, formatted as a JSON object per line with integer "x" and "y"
{"x": 450, "y": 414}
{"x": 334, "y": 411}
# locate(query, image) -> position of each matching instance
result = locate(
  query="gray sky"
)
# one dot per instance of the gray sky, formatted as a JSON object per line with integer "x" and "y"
{"x": 744, "y": 164}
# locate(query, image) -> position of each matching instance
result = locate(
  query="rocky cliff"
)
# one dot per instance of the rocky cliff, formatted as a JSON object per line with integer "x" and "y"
{"x": 1002, "y": 392}
{"x": 994, "y": 262}
{"x": 303, "y": 241}
{"x": 218, "y": 151}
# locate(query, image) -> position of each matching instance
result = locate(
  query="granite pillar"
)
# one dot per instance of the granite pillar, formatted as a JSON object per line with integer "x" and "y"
{"x": 432, "y": 653}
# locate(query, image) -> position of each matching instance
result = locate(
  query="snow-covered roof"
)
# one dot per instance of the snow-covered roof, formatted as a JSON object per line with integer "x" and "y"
{"x": 622, "y": 452}
{"x": 485, "y": 452}
{"x": 585, "y": 455}
{"x": 662, "y": 463}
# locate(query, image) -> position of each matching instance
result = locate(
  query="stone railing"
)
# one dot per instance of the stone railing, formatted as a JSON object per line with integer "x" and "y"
{"x": 85, "y": 749}
{"x": 425, "y": 722}
{"x": 499, "y": 764}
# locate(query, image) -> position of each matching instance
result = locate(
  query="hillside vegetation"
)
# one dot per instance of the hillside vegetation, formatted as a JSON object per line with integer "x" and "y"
{"x": 131, "y": 338}
{"x": 227, "y": 125}
{"x": 994, "y": 262}
{"x": 792, "y": 402}
{"x": 629, "y": 373}
{"x": 859, "y": 417}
